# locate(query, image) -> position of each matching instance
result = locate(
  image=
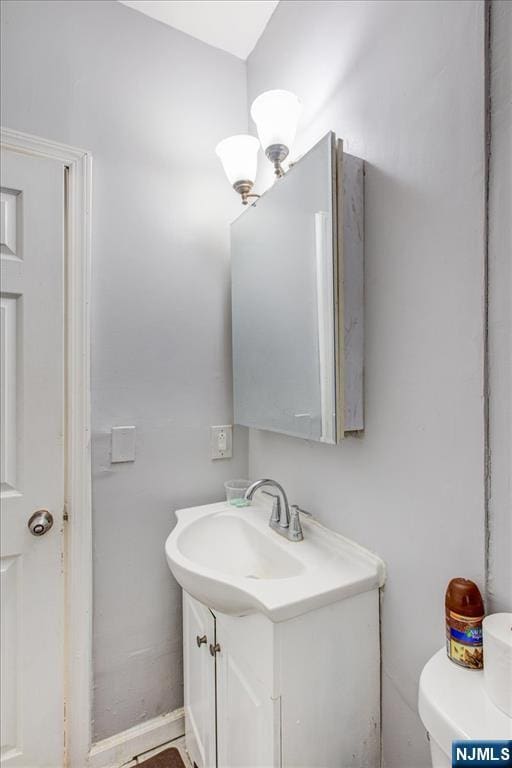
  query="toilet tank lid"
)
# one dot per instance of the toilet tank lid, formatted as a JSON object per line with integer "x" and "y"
{"x": 453, "y": 704}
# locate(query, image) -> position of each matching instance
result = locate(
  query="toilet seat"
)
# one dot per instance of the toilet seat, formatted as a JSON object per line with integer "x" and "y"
{"x": 453, "y": 705}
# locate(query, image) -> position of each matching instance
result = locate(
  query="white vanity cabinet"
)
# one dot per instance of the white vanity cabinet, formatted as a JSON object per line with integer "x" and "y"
{"x": 300, "y": 693}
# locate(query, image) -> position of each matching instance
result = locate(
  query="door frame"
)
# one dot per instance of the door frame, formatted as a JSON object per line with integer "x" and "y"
{"x": 77, "y": 495}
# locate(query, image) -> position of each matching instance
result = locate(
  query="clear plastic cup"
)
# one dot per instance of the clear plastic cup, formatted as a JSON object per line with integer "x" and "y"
{"x": 235, "y": 491}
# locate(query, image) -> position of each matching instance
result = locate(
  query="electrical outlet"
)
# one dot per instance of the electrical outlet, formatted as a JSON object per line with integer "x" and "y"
{"x": 221, "y": 442}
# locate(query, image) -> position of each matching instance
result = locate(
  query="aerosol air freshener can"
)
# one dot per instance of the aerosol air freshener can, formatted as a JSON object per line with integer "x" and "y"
{"x": 464, "y": 610}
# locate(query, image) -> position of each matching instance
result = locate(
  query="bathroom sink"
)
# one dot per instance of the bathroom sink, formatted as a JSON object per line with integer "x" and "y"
{"x": 227, "y": 543}
{"x": 231, "y": 560}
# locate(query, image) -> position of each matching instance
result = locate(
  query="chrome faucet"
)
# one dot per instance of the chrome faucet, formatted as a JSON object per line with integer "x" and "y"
{"x": 283, "y": 521}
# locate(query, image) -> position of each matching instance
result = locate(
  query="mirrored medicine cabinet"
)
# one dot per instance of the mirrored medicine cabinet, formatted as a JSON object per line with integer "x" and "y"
{"x": 297, "y": 300}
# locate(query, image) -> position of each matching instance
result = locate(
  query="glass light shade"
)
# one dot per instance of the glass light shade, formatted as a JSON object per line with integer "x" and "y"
{"x": 276, "y": 114}
{"x": 239, "y": 156}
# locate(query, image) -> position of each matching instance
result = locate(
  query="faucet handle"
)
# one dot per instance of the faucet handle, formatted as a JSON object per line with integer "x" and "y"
{"x": 295, "y": 531}
{"x": 276, "y": 507}
{"x": 297, "y": 509}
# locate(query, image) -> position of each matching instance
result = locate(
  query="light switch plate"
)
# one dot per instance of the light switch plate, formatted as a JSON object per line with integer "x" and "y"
{"x": 123, "y": 444}
{"x": 221, "y": 442}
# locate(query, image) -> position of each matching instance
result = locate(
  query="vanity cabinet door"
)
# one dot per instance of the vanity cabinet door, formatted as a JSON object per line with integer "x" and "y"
{"x": 199, "y": 679}
{"x": 248, "y": 712}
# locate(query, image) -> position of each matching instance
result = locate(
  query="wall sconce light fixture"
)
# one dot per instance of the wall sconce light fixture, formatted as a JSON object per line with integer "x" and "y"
{"x": 276, "y": 114}
{"x": 239, "y": 156}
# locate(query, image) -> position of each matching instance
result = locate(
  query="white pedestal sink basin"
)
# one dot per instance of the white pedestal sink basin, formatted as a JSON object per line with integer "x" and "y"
{"x": 232, "y": 561}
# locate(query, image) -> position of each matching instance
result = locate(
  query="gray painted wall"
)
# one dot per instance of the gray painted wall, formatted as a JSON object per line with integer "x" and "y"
{"x": 500, "y": 313}
{"x": 403, "y": 85}
{"x": 150, "y": 103}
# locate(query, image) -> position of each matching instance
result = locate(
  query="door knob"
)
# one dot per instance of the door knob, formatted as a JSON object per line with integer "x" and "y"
{"x": 40, "y": 522}
{"x": 200, "y": 640}
{"x": 214, "y": 649}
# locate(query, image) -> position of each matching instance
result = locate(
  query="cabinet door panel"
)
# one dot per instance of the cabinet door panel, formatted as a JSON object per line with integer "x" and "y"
{"x": 199, "y": 694}
{"x": 248, "y": 714}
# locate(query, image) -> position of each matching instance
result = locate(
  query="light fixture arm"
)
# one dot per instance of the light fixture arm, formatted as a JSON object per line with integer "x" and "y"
{"x": 244, "y": 190}
{"x": 276, "y": 153}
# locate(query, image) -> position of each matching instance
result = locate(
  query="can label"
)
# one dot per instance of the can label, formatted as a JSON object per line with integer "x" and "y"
{"x": 464, "y": 643}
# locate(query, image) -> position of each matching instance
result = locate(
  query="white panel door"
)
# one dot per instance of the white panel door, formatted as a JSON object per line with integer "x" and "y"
{"x": 32, "y": 470}
{"x": 199, "y": 676}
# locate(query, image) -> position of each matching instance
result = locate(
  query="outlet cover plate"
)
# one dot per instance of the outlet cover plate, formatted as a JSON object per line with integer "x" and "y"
{"x": 123, "y": 444}
{"x": 221, "y": 442}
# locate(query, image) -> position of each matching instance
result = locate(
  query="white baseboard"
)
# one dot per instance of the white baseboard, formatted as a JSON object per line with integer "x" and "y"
{"x": 123, "y": 747}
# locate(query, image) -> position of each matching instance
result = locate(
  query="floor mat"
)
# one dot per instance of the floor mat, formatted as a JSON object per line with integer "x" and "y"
{"x": 169, "y": 758}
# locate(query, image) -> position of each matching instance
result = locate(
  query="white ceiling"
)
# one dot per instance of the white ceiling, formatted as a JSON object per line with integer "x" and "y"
{"x": 233, "y": 25}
